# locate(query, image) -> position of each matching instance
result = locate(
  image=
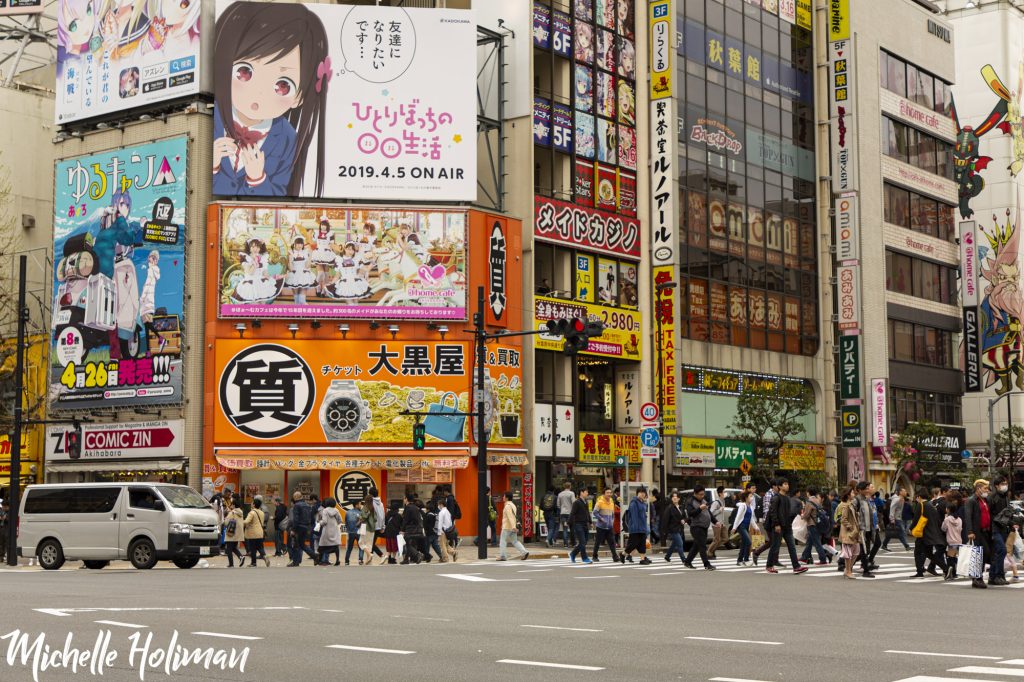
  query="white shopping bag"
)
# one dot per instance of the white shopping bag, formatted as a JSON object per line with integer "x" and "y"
{"x": 800, "y": 529}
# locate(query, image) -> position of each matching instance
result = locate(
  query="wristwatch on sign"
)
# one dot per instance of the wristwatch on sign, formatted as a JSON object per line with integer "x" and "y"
{"x": 344, "y": 415}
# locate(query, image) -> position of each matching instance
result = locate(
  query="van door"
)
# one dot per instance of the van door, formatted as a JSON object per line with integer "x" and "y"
{"x": 143, "y": 517}
{"x": 92, "y": 529}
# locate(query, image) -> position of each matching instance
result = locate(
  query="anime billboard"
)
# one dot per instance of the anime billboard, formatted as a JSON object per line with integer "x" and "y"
{"x": 114, "y": 55}
{"x": 324, "y": 262}
{"x": 325, "y": 101}
{"x": 119, "y": 273}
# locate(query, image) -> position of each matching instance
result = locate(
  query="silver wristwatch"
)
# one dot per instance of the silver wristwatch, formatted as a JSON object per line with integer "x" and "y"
{"x": 344, "y": 415}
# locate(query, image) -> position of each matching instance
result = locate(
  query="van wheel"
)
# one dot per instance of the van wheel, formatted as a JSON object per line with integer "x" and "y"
{"x": 142, "y": 553}
{"x": 51, "y": 555}
{"x": 96, "y": 564}
{"x": 186, "y": 561}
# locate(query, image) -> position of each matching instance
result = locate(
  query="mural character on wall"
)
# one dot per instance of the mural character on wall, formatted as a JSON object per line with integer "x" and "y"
{"x": 1014, "y": 125}
{"x": 1002, "y": 308}
{"x": 967, "y": 161}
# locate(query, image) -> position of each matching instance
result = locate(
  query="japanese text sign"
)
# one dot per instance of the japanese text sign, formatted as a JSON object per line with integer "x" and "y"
{"x": 621, "y": 337}
{"x": 587, "y": 228}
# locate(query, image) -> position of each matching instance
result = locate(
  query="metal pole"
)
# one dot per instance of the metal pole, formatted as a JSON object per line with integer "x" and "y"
{"x": 1013, "y": 442}
{"x": 481, "y": 435}
{"x": 991, "y": 437}
{"x": 19, "y": 390}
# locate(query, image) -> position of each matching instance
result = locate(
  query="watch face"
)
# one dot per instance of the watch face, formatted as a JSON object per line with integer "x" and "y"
{"x": 342, "y": 414}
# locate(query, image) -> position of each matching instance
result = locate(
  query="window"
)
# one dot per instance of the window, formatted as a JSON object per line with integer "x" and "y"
{"x": 910, "y": 405}
{"x": 919, "y": 149}
{"x": 99, "y": 500}
{"x": 922, "y": 345}
{"x": 917, "y": 85}
{"x": 595, "y": 393}
{"x": 920, "y": 278}
{"x": 919, "y": 213}
{"x": 142, "y": 498}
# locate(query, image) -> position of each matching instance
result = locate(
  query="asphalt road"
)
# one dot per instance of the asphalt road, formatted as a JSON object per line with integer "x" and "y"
{"x": 515, "y": 620}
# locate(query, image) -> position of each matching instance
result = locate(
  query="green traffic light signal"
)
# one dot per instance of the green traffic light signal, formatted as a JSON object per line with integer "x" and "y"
{"x": 419, "y": 436}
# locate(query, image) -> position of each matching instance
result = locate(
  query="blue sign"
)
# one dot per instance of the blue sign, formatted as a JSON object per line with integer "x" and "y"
{"x": 649, "y": 438}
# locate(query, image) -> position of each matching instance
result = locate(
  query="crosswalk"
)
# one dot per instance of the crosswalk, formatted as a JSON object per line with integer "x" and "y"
{"x": 897, "y": 567}
{"x": 992, "y": 672}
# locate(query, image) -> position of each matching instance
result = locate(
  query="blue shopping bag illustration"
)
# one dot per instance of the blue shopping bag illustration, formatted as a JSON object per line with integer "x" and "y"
{"x": 443, "y": 422}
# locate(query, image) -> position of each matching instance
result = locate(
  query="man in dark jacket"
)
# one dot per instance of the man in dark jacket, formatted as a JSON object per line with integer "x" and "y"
{"x": 978, "y": 523}
{"x": 412, "y": 529}
{"x": 659, "y": 503}
{"x": 700, "y": 520}
{"x": 780, "y": 517}
{"x": 928, "y": 547}
{"x": 579, "y": 521}
{"x": 280, "y": 514}
{"x": 998, "y": 500}
{"x": 301, "y": 520}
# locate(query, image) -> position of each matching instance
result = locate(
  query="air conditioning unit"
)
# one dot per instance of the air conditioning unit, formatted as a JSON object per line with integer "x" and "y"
{"x": 28, "y": 221}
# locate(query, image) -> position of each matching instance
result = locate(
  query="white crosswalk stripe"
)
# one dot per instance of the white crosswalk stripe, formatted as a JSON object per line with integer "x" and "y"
{"x": 979, "y": 673}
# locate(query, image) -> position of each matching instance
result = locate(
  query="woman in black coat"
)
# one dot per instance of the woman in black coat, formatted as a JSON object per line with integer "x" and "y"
{"x": 672, "y": 527}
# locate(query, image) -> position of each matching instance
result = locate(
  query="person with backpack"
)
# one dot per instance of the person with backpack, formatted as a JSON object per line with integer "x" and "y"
{"x": 720, "y": 532}
{"x": 412, "y": 531}
{"x": 432, "y": 540}
{"x": 743, "y": 522}
{"x": 379, "y": 521}
{"x": 896, "y": 520}
{"x": 233, "y": 534}
{"x": 354, "y": 519}
{"x": 547, "y": 506}
{"x": 930, "y": 540}
{"x": 564, "y": 502}
{"x": 446, "y": 533}
{"x": 762, "y": 518}
{"x": 580, "y": 520}
{"x": 638, "y": 526}
{"x": 818, "y": 526}
{"x": 699, "y": 518}
{"x": 604, "y": 523}
{"x": 280, "y": 514}
{"x": 254, "y": 533}
{"x": 300, "y": 525}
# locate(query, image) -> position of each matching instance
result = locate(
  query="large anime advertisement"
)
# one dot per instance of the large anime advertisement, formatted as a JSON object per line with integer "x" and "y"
{"x": 335, "y": 101}
{"x": 119, "y": 274}
{"x": 329, "y": 262}
{"x": 114, "y": 55}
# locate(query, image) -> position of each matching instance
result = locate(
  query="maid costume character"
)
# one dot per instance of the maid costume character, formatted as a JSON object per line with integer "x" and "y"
{"x": 324, "y": 238}
{"x": 299, "y": 277}
{"x": 257, "y": 286}
{"x": 349, "y": 284}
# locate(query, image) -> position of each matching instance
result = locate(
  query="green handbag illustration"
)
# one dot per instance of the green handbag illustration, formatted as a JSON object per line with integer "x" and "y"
{"x": 443, "y": 421}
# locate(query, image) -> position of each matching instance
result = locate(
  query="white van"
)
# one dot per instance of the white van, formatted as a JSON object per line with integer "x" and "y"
{"x": 101, "y": 522}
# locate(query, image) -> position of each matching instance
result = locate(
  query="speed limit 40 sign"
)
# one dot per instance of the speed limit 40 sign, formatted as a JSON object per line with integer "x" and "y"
{"x": 649, "y": 412}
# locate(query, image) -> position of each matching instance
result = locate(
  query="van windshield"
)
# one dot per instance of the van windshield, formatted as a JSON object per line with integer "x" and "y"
{"x": 184, "y": 498}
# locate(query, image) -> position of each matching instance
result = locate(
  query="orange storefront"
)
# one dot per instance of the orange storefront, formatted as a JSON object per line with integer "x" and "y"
{"x": 331, "y": 329}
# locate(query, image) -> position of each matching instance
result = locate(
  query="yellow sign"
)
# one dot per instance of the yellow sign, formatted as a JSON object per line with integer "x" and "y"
{"x": 605, "y": 448}
{"x": 838, "y": 20}
{"x": 803, "y": 14}
{"x": 621, "y": 337}
{"x": 664, "y": 316}
{"x": 661, "y": 38}
{"x": 696, "y": 452}
{"x": 802, "y": 457}
{"x": 745, "y": 467}
{"x": 586, "y": 287}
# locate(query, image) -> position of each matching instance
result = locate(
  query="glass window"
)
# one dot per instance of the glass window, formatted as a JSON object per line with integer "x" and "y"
{"x": 925, "y": 89}
{"x": 142, "y": 498}
{"x": 943, "y": 97}
{"x": 902, "y": 276}
{"x": 903, "y": 341}
{"x": 913, "y": 83}
{"x": 926, "y": 153}
{"x": 897, "y": 77}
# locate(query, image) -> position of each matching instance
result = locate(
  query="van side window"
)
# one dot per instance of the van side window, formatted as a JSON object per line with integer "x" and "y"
{"x": 142, "y": 498}
{"x": 71, "y": 500}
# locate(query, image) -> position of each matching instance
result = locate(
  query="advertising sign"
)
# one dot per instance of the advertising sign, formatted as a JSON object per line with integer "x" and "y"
{"x": 730, "y": 454}
{"x": 621, "y": 337}
{"x": 802, "y": 457}
{"x": 944, "y": 448}
{"x": 787, "y": 10}
{"x": 117, "y": 328}
{"x": 541, "y": 26}
{"x": 597, "y": 449}
{"x": 497, "y": 275}
{"x": 848, "y": 277}
{"x": 969, "y": 263}
{"x": 847, "y": 228}
{"x": 804, "y": 12}
{"x": 666, "y": 314}
{"x": 972, "y": 351}
{"x": 661, "y": 33}
{"x": 503, "y": 395}
{"x": 627, "y": 400}
{"x": 338, "y": 392}
{"x": 131, "y": 440}
{"x": 554, "y": 431}
{"x": 695, "y": 452}
{"x": 9, "y": 7}
{"x": 352, "y": 485}
{"x": 586, "y": 228}
{"x": 114, "y": 56}
{"x": 851, "y": 426}
{"x": 705, "y": 131}
{"x": 664, "y": 228}
{"x": 542, "y": 121}
{"x": 855, "y": 469}
{"x": 838, "y": 20}
{"x": 843, "y": 133}
{"x": 329, "y": 262}
{"x": 561, "y": 127}
{"x": 561, "y": 34}
{"x": 849, "y": 367}
{"x": 879, "y": 413}
{"x": 368, "y": 102}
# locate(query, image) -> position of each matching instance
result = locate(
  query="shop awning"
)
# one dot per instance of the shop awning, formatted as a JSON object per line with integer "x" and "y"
{"x": 315, "y": 460}
{"x": 117, "y": 465}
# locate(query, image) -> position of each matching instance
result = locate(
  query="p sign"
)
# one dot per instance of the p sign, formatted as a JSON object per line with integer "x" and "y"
{"x": 649, "y": 412}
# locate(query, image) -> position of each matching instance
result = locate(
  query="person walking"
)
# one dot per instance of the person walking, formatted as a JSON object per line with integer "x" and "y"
{"x": 280, "y": 514}
{"x": 743, "y": 524}
{"x": 431, "y": 541}
{"x": 233, "y": 532}
{"x": 299, "y": 529}
{"x": 412, "y": 531}
{"x": 952, "y": 526}
{"x": 330, "y": 521}
{"x": 719, "y": 527}
{"x": 978, "y": 524}
{"x": 896, "y": 520}
{"x": 579, "y": 519}
{"x": 762, "y": 517}
{"x": 253, "y": 532}
{"x": 998, "y": 501}
{"x": 353, "y": 519}
{"x": 812, "y": 513}
{"x": 849, "y": 532}
{"x": 548, "y": 506}
{"x": 671, "y": 522}
{"x": 510, "y": 529}
{"x": 928, "y": 533}
{"x": 392, "y": 529}
{"x": 604, "y": 524}
{"x": 659, "y": 503}
{"x": 446, "y": 533}
{"x": 638, "y": 526}
{"x": 565, "y": 501}
{"x": 380, "y": 519}
{"x": 699, "y": 517}
{"x": 780, "y": 517}
{"x": 869, "y": 528}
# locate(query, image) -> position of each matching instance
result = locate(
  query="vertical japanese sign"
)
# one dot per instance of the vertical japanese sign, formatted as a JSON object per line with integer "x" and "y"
{"x": 969, "y": 263}
{"x": 849, "y": 367}
{"x": 370, "y": 102}
{"x": 661, "y": 33}
{"x": 528, "y": 493}
{"x": 847, "y": 227}
{"x": 664, "y": 194}
{"x": 666, "y": 314}
{"x": 879, "y": 412}
{"x": 848, "y": 277}
{"x": 842, "y": 122}
{"x": 627, "y": 402}
{"x": 972, "y": 350}
{"x": 119, "y": 272}
{"x": 497, "y": 275}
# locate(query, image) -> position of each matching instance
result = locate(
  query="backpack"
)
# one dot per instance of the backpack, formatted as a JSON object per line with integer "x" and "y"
{"x": 232, "y": 526}
{"x": 454, "y": 508}
{"x": 548, "y": 503}
{"x": 823, "y": 522}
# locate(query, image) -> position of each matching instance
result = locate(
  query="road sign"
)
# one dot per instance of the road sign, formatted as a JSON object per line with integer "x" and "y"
{"x": 745, "y": 467}
{"x": 851, "y": 427}
{"x": 649, "y": 438}
{"x": 649, "y": 412}
{"x": 646, "y": 451}
{"x": 620, "y": 461}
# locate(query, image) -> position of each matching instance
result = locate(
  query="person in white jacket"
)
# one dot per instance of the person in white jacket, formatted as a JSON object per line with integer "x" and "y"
{"x": 744, "y": 523}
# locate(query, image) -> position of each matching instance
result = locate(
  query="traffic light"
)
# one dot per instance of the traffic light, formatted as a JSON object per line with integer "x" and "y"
{"x": 73, "y": 442}
{"x": 575, "y": 333}
{"x": 594, "y": 328}
{"x": 419, "y": 436}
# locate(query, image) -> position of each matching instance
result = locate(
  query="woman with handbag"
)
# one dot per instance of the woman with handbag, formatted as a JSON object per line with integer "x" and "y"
{"x": 367, "y": 524}
{"x": 330, "y": 533}
{"x": 744, "y": 524}
{"x": 849, "y": 532}
{"x": 233, "y": 523}
{"x": 253, "y": 532}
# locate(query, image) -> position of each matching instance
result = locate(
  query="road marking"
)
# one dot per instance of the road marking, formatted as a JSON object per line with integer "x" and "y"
{"x": 369, "y": 649}
{"x": 120, "y": 624}
{"x": 535, "y": 570}
{"x": 594, "y": 577}
{"x": 1012, "y": 661}
{"x": 224, "y": 635}
{"x": 553, "y": 627}
{"x": 735, "y": 641}
{"x": 930, "y": 678}
{"x": 984, "y": 670}
{"x": 331, "y": 610}
{"x": 443, "y": 620}
{"x": 732, "y": 679}
{"x": 541, "y": 664}
{"x": 126, "y": 609}
{"x": 943, "y": 655}
{"x": 669, "y": 573}
{"x": 476, "y": 578}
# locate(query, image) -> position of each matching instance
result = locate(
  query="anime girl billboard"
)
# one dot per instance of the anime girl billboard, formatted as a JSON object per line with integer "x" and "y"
{"x": 119, "y": 238}
{"x": 345, "y": 102}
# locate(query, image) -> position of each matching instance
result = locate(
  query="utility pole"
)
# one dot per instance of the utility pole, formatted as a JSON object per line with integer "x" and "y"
{"x": 480, "y": 338}
{"x": 19, "y": 389}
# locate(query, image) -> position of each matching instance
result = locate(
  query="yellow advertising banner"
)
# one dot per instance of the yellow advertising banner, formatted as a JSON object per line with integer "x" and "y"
{"x": 661, "y": 33}
{"x": 665, "y": 319}
{"x": 606, "y": 448}
{"x": 621, "y": 337}
{"x": 312, "y": 461}
{"x": 696, "y": 452}
{"x": 803, "y": 14}
{"x": 838, "y": 20}
{"x": 802, "y": 457}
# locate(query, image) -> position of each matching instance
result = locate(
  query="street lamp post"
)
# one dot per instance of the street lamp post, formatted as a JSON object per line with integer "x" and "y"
{"x": 992, "y": 432}
{"x": 660, "y": 289}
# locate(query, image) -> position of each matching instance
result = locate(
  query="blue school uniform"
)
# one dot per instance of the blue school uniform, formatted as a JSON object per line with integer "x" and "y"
{"x": 279, "y": 157}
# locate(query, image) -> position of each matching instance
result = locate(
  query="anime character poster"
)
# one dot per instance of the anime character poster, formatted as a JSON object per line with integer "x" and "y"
{"x": 337, "y": 101}
{"x": 627, "y": 57}
{"x": 584, "y": 43}
{"x": 586, "y": 144}
{"x": 627, "y": 147}
{"x": 584, "y": 83}
{"x": 327, "y": 262}
{"x": 118, "y": 328}
{"x": 114, "y": 55}
{"x": 605, "y": 50}
{"x": 1002, "y": 305}
{"x": 607, "y": 141}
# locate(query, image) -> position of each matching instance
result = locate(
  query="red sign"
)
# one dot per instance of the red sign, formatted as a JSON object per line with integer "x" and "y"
{"x": 528, "y": 505}
{"x": 606, "y": 233}
{"x": 128, "y": 439}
